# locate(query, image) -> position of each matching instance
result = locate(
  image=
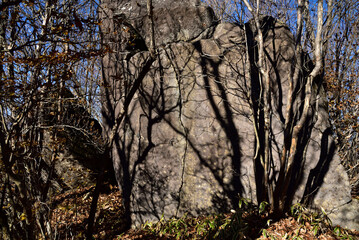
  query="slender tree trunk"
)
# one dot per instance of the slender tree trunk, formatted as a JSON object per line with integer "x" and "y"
{"x": 95, "y": 196}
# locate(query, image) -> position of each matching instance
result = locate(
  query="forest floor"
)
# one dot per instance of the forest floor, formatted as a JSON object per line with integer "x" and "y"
{"x": 69, "y": 220}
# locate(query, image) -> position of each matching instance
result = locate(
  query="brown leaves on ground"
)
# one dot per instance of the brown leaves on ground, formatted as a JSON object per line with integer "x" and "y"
{"x": 70, "y": 213}
{"x": 289, "y": 228}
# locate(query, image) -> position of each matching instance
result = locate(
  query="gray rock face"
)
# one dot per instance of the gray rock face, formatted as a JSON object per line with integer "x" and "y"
{"x": 171, "y": 20}
{"x": 346, "y": 215}
{"x": 173, "y": 24}
{"x": 188, "y": 144}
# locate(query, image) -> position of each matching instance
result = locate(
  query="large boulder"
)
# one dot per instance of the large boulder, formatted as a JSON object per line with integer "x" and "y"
{"x": 76, "y": 154}
{"x": 188, "y": 139}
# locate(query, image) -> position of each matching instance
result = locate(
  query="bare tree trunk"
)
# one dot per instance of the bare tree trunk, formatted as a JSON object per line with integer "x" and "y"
{"x": 265, "y": 101}
{"x": 95, "y": 196}
{"x": 276, "y": 191}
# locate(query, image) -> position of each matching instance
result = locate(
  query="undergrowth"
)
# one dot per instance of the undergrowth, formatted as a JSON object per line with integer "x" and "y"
{"x": 248, "y": 221}
{"x": 244, "y": 222}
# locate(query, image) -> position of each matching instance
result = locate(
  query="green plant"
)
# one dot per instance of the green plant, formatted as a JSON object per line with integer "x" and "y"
{"x": 245, "y": 221}
{"x": 174, "y": 227}
{"x": 234, "y": 225}
{"x": 316, "y": 219}
{"x": 208, "y": 228}
{"x": 342, "y": 233}
{"x": 243, "y": 203}
{"x": 263, "y": 207}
